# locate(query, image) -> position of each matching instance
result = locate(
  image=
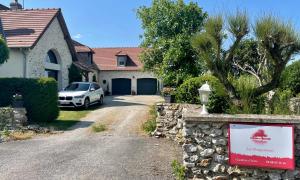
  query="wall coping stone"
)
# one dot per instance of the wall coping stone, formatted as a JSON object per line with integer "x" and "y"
{"x": 195, "y": 116}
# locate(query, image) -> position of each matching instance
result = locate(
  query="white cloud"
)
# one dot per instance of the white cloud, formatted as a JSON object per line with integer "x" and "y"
{"x": 77, "y": 36}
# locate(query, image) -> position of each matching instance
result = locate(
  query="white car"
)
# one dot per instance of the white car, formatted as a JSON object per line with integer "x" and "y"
{"x": 81, "y": 94}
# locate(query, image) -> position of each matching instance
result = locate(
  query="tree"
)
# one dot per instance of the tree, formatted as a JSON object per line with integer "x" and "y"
{"x": 277, "y": 44}
{"x": 75, "y": 74}
{"x": 168, "y": 26}
{"x": 290, "y": 77}
{"x": 4, "y": 51}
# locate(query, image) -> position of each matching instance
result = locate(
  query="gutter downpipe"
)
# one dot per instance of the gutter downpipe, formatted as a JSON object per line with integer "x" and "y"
{"x": 24, "y": 62}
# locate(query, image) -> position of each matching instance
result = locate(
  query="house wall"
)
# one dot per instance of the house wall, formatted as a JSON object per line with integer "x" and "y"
{"x": 133, "y": 75}
{"x": 53, "y": 39}
{"x": 14, "y": 67}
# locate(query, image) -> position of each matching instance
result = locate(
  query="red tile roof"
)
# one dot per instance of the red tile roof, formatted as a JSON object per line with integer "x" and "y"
{"x": 106, "y": 58}
{"x": 23, "y": 28}
{"x": 81, "y": 48}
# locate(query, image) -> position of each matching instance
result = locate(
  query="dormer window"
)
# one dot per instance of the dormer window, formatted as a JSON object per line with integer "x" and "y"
{"x": 122, "y": 61}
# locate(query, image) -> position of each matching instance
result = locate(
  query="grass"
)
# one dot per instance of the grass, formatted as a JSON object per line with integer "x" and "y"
{"x": 178, "y": 170}
{"x": 19, "y": 135}
{"x": 98, "y": 127}
{"x": 150, "y": 125}
{"x": 66, "y": 119}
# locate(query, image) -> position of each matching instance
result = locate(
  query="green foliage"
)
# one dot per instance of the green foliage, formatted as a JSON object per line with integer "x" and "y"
{"x": 277, "y": 42}
{"x": 249, "y": 104}
{"x": 280, "y": 102}
{"x": 168, "y": 26}
{"x": 188, "y": 92}
{"x": 39, "y": 95}
{"x": 74, "y": 74}
{"x": 150, "y": 125}
{"x": 291, "y": 78}
{"x": 4, "y": 51}
{"x": 178, "y": 170}
{"x": 98, "y": 127}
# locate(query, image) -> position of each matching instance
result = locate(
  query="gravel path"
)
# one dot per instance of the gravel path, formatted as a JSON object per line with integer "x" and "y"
{"x": 122, "y": 152}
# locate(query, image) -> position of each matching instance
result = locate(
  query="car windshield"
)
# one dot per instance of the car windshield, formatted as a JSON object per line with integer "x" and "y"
{"x": 78, "y": 87}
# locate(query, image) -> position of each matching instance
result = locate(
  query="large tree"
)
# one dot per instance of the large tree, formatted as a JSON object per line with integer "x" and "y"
{"x": 168, "y": 26}
{"x": 277, "y": 41}
{"x": 4, "y": 52}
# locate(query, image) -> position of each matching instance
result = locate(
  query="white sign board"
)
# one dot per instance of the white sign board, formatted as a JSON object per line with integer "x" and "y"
{"x": 270, "y": 146}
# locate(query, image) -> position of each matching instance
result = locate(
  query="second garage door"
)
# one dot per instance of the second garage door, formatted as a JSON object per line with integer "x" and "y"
{"x": 121, "y": 86}
{"x": 146, "y": 86}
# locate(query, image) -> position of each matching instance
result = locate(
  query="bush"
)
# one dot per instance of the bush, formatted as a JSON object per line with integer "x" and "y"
{"x": 245, "y": 84}
{"x": 178, "y": 170}
{"x": 39, "y": 95}
{"x": 290, "y": 78}
{"x": 188, "y": 93}
{"x": 74, "y": 74}
{"x": 280, "y": 101}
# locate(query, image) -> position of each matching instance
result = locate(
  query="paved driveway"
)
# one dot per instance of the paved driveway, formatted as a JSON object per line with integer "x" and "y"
{"x": 122, "y": 152}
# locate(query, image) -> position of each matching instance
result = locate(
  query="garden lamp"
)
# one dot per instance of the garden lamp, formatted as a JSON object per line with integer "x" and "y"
{"x": 204, "y": 93}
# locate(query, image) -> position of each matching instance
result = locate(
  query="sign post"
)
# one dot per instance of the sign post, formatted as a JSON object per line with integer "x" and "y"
{"x": 269, "y": 146}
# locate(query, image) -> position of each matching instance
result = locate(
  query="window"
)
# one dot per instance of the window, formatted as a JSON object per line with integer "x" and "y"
{"x": 78, "y": 87}
{"x": 51, "y": 74}
{"x": 122, "y": 60}
{"x": 51, "y": 58}
{"x": 96, "y": 86}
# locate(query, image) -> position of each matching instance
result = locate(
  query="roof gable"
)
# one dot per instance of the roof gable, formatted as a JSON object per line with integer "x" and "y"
{"x": 106, "y": 58}
{"x": 24, "y": 28}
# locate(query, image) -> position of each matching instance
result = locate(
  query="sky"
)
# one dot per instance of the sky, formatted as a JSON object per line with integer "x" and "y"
{"x": 113, "y": 23}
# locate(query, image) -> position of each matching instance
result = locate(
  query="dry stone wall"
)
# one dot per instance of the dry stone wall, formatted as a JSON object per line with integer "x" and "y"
{"x": 169, "y": 122}
{"x": 12, "y": 118}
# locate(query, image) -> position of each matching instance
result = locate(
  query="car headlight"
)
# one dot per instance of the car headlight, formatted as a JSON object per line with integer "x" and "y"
{"x": 79, "y": 97}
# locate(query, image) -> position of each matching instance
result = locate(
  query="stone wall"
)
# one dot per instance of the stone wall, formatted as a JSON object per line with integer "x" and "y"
{"x": 169, "y": 122}
{"x": 204, "y": 140}
{"x": 11, "y": 119}
{"x": 206, "y": 147}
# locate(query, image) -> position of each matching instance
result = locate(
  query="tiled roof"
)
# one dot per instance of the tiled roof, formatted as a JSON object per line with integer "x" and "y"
{"x": 106, "y": 58}
{"x": 23, "y": 28}
{"x": 2, "y": 7}
{"x": 81, "y": 48}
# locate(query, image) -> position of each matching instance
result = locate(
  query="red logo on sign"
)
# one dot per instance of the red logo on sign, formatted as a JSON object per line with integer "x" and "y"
{"x": 260, "y": 137}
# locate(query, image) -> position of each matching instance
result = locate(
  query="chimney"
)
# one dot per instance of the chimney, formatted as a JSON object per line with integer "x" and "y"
{"x": 15, "y": 5}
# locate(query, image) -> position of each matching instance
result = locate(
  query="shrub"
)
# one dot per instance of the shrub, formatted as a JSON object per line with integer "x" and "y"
{"x": 290, "y": 78}
{"x": 74, "y": 74}
{"x": 39, "y": 95}
{"x": 188, "y": 92}
{"x": 245, "y": 85}
{"x": 280, "y": 101}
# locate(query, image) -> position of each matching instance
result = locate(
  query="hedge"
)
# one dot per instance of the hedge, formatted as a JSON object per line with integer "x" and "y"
{"x": 188, "y": 93}
{"x": 39, "y": 95}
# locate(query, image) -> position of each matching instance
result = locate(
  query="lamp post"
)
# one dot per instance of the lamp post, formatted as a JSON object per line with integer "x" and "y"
{"x": 204, "y": 93}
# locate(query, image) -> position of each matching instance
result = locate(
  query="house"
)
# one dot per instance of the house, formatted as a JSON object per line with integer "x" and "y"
{"x": 122, "y": 72}
{"x": 86, "y": 63}
{"x": 39, "y": 42}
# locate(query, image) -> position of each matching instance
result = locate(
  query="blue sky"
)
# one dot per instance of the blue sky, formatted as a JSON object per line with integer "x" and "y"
{"x": 113, "y": 23}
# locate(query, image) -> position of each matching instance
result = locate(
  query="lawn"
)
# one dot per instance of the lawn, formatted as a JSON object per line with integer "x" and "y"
{"x": 66, "y": 119}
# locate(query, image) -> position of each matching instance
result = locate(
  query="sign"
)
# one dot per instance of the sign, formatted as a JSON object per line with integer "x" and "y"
{"x": 269, "y": 146}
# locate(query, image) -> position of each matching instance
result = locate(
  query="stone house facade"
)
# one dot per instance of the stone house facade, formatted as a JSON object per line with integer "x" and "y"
{"x": 121, "y": 72}
{"x": 40, "y": 44}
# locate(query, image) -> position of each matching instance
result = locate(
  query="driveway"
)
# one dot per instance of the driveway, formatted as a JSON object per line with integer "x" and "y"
{"x": 122, "y": 152}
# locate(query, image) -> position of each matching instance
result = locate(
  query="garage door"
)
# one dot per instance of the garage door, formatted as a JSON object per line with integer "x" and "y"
{"x": 146, "y": 86}
{"x": 121, "y": 86}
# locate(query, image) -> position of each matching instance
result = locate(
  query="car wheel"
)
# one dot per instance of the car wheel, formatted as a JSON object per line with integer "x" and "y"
{"x": 86, "y": 103}
{"x": 101, "y": 100}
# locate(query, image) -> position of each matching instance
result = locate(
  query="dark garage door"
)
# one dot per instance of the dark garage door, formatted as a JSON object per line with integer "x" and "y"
{"x": 121, "y": 86}
{"x": 146, "y": 86}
